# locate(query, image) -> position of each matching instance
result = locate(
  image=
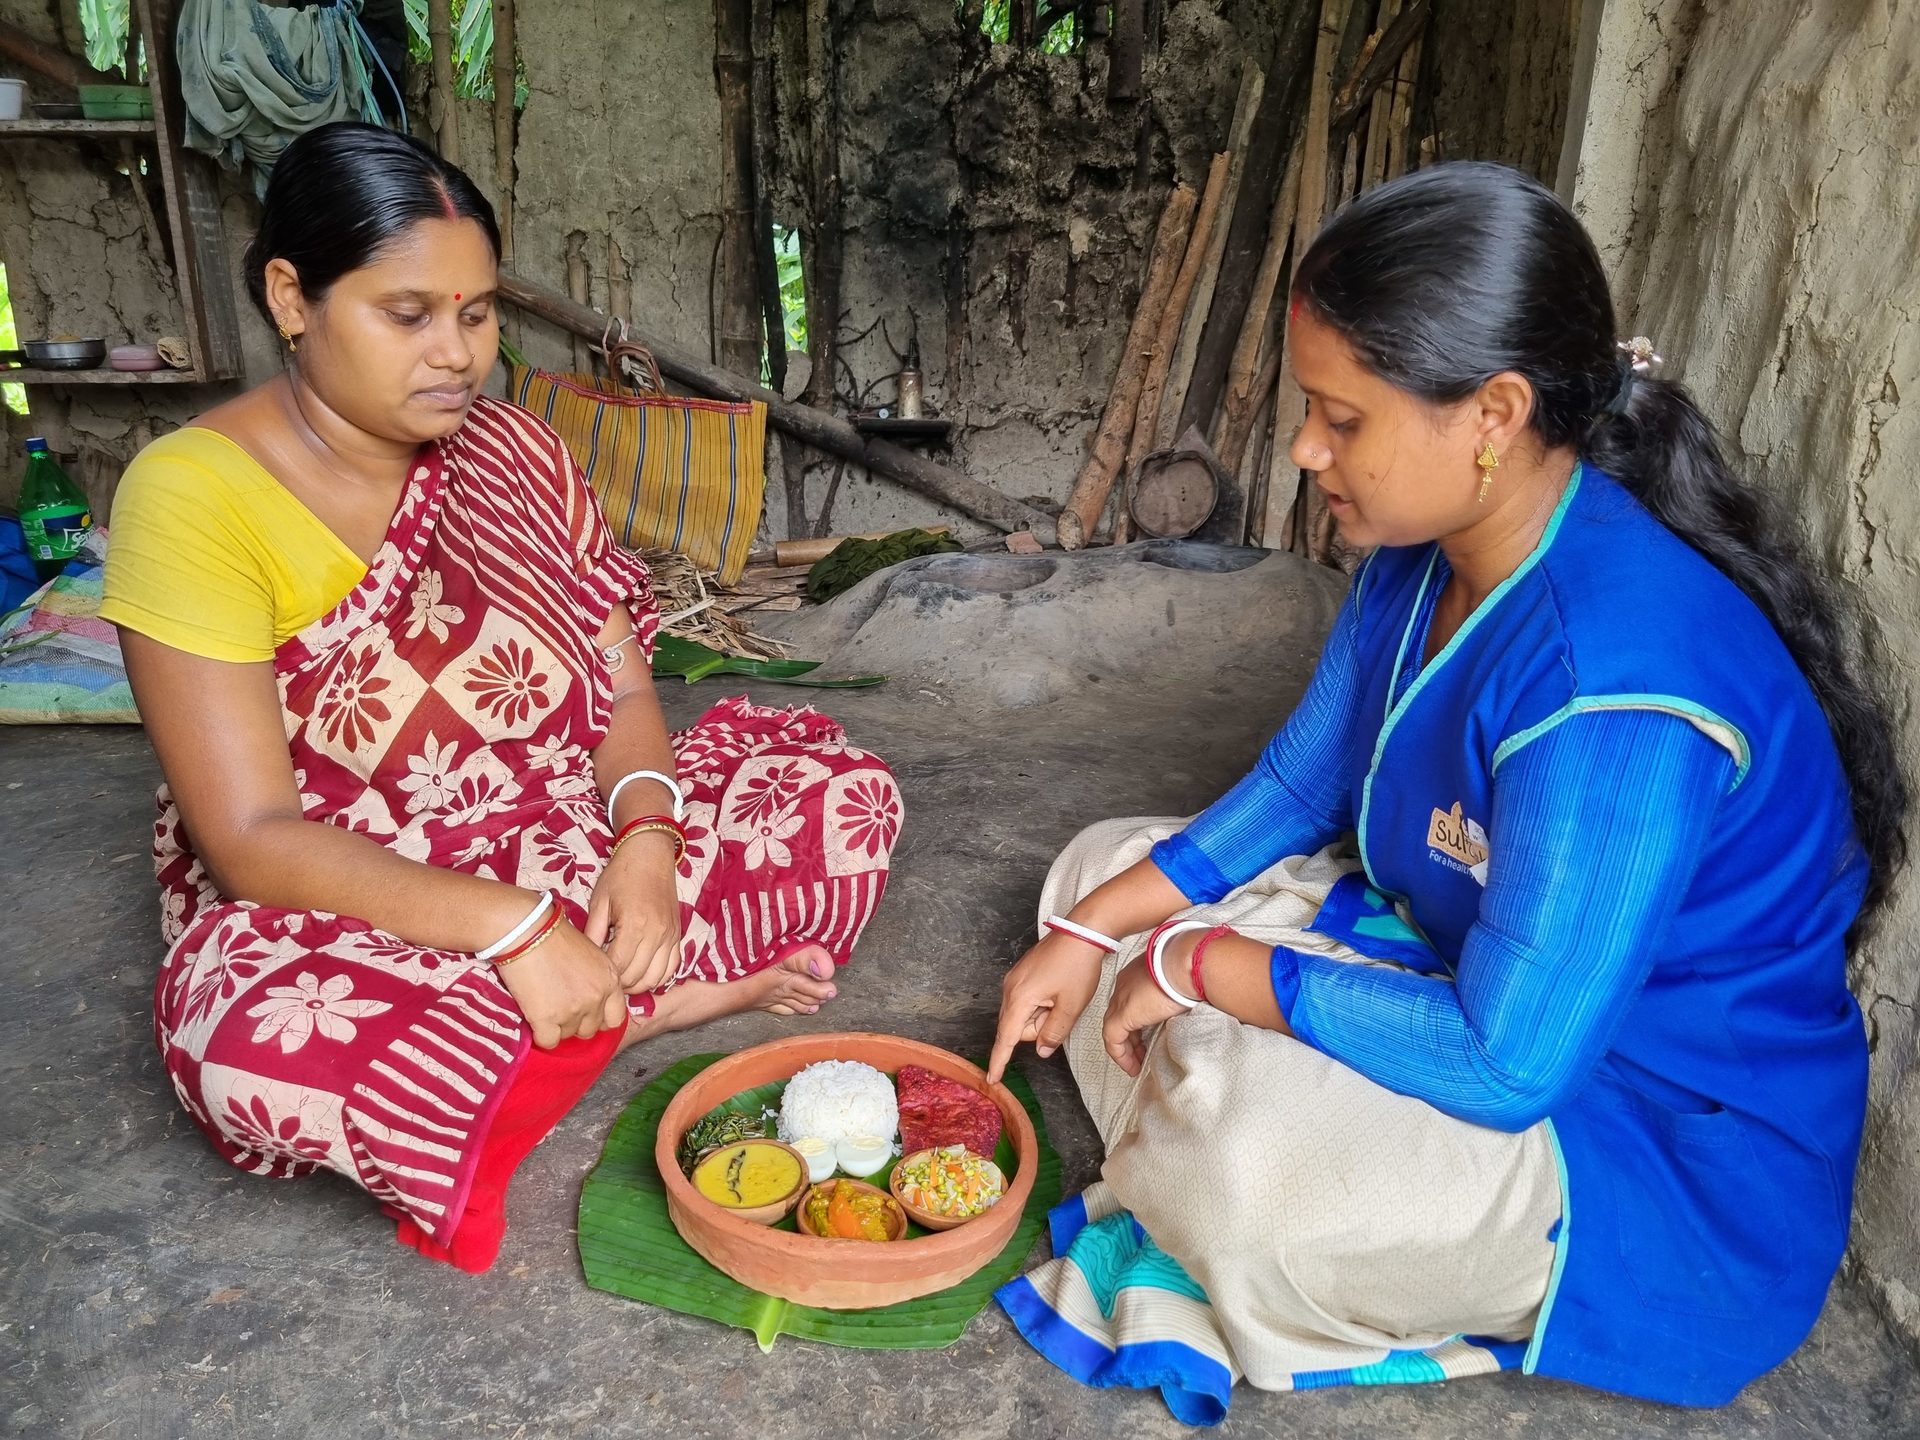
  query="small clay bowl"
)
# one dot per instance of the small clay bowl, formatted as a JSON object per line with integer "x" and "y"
{"x": 896, "y": 1213}
{"x": 774, "y": 1211}
{"x": 929, "y": 1219}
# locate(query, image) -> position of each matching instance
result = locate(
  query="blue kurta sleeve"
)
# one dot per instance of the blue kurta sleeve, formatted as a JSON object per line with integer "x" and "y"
{"x": 1296, "y": 798}
{"x": 1598, "y": 827}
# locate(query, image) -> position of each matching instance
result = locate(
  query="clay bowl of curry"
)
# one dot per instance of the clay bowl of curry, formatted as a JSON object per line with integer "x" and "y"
{"x": 843, "y": 1209}
{"x": 758, "y": 1180}
{"x": 838, "y": 1274}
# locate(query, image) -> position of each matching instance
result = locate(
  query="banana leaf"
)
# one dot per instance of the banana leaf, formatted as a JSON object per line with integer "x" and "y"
{"x": 693, "y": 661}
{"x": 628, "y": 1245}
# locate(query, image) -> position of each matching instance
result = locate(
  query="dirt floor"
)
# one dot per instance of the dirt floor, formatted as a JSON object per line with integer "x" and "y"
{"x": 147, "y": 1289}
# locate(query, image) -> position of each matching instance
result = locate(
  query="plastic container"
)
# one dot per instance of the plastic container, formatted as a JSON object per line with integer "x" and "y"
{"x": 13, "y": 97}
{"x": 116, "y": 102}
{"x": 54, "y": 514}
{"x": 135, "y": 358}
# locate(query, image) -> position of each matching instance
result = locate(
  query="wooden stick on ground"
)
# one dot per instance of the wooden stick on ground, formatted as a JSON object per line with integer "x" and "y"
{"x": 1244, "y": 391}
{"x": 441, "y": 109}
{"x": 1147, "y": 412}
{"x": 1109, "y": 449}
{"x": 1193, "y": 321}
{"x": 819, "y": 428}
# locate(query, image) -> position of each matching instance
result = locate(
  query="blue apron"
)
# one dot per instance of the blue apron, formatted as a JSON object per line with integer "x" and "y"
{"x": 1707, "y": 1166}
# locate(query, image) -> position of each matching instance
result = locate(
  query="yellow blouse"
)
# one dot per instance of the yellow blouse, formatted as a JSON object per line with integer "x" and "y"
{"x": 210, "y": 554}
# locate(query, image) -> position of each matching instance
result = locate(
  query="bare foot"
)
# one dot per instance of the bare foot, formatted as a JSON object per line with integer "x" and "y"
{"x": 798, "y": 985}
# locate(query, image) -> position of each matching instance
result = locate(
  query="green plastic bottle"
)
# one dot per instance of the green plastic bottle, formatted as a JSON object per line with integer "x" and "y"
{"x": 53, "y": 512}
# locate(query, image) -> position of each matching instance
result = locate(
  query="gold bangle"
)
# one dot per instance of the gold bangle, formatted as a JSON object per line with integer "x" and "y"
{"x": 532, "y": 945}
{"x": 679, "y": 840}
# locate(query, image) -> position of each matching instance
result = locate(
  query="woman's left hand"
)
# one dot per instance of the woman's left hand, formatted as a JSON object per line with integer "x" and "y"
{"x": 635, "y": 913}
{"x": 1136, "y": 1006}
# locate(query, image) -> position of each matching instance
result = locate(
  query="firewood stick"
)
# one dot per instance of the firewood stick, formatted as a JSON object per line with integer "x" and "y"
{"x": 1173, "y": 394}
{"x": 1242, "y": 388}
{"x": 1373, "y": 166}
{"x": 1400, "y": 113}
{"x": 1254, "y": 468}
{"x": 1109, "y": 449}
{"x": 1275, "y": 518}
{"x": 1147, "y": 411}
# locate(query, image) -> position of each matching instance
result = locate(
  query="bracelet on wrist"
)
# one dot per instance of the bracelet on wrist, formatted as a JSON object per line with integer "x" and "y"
{"x": 652, "y": 825}
{"x": 672, "y": 786}
{"x": 1157, "y": 958}
{"x": 1199, "y": 953}
{"x": 532, "y": 942}
{"x": 1060, "y": 925}
{"x": 519, "y": 932}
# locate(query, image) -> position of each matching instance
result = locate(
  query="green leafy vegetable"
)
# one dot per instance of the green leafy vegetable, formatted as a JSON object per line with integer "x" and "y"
{"x": 693, "y": 661}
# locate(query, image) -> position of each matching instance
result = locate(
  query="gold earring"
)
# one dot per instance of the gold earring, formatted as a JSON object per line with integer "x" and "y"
{"x": 1488, "y": 463}
{"x": 286, "y": 335}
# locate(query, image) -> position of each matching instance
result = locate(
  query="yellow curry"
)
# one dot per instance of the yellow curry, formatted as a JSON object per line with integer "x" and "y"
{"x": 746, "y": 1175}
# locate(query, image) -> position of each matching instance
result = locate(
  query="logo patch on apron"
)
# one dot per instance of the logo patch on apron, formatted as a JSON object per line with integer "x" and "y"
{"x": 1458, "y": 843}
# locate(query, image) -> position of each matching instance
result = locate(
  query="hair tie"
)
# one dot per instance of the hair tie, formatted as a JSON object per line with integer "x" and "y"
{"x": 1637, "y": 358}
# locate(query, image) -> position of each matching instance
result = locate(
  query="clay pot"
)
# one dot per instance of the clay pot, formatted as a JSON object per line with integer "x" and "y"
{"x": 774, "y": 1211}
{"x": 928, "y": 1219}
{"x": 835, "y": 1275}
{"x": 896, "y": 1213}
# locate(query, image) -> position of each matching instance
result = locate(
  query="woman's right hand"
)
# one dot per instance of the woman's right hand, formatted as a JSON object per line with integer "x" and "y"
{"x": 566, "y": 987}
{"x": 1044, "y": 993}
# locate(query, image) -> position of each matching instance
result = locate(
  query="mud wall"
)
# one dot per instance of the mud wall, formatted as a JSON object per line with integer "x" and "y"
{"x": 1748, "y": 169}
{"x": 995, "y": 203}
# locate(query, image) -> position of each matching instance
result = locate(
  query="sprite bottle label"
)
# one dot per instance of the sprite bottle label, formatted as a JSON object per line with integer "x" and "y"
{"x": 55, "y": 533}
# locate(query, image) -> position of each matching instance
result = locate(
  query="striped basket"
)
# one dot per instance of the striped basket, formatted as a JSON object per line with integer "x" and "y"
{"x": 672, "y": 473}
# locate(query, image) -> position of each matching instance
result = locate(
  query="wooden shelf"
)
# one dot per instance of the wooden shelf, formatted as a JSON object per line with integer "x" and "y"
{"x": 191, "y": 219}
{"x": 100, "y": 376}
{"x": 71, "y": 129}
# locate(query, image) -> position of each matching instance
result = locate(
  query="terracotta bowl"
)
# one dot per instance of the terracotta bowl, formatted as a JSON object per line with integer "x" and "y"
{"x": 928, "y": 1219}
{"x": 895, "y": 1212}
{"x": 774, "y": 1211}
{"x": 803, "y": 1268}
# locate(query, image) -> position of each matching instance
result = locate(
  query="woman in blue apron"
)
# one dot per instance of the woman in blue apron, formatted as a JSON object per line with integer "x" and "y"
{"x": 1509, "y": 1016}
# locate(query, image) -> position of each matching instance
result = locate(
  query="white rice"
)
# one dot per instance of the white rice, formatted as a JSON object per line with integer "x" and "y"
{"x": 836, "y": 1100}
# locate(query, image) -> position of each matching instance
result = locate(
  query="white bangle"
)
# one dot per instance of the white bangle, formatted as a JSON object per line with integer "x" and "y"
{"x": 1082, "y": 932}
{"x": 1156, "y": 959}
{"x": 673, "y": 786}
{"x": 512, "y": 937}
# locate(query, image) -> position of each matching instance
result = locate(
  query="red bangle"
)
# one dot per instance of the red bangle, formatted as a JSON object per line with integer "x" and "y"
{"x": 546, "y": 928}
{"x": 1199, "y": 985}
{"x": 661, "y": 824}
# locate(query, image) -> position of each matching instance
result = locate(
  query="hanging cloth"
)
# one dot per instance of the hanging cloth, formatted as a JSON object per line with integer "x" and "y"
{"x": 255, "y": 76}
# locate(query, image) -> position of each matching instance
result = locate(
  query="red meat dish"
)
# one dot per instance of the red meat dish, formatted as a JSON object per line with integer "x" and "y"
{"x": 937, "y": 1111}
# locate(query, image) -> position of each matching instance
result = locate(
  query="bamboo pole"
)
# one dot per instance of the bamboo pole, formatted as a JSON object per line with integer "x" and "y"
{"x": 1109, "y": 449}
{"x": 505, "y": 82}
{"x": 819, "y": 428}
{"x": 442, "y": 113}
{"x": 1147, "y": 412}
{"x": 1242, "y": 388}
{"x": 1173, "y": 393}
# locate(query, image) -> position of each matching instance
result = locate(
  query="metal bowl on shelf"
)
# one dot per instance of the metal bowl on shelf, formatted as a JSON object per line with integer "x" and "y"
{"x": 58, "y": 354}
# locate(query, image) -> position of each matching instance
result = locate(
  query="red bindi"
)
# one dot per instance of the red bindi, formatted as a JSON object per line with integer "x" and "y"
{"x": 456, "y": 297}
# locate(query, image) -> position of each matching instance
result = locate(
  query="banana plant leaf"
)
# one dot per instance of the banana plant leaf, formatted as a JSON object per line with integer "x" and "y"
{"x": 693, "y": 661}
{"x": 628, "y": 1245}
